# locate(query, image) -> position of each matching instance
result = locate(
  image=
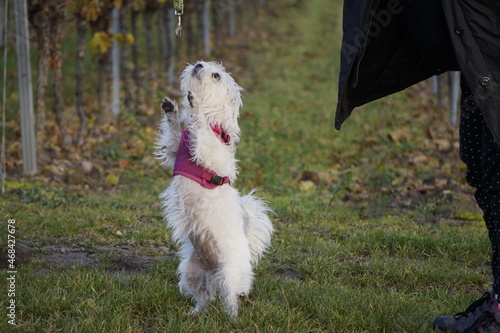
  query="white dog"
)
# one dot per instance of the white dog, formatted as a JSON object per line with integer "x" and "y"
{"x": 221, "y": 234}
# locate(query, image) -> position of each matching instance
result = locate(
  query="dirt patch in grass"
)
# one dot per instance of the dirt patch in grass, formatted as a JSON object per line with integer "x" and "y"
{"x": 288, "y": 273}
{"x": 62, "y": 255}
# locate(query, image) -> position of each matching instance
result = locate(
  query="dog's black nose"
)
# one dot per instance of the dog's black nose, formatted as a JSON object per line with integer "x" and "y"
{"x": 197, "y": 68}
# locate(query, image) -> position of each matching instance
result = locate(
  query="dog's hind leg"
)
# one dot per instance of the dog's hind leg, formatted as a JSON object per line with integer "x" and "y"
{"x": 199, "y": 281}
{"x": 235, "y": 278}
{"x": 198, "y": 269}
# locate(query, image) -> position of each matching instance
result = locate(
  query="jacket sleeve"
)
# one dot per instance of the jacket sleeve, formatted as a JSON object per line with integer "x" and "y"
{"x": 379, "y": 56}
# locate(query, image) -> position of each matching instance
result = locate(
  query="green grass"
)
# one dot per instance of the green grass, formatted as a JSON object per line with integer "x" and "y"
{"x": 342, "y": 259}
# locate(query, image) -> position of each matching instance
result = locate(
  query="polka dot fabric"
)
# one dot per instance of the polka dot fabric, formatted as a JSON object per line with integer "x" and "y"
{"x": 481, "y": 154}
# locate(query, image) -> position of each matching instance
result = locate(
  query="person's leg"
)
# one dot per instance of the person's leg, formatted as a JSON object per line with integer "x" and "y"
{"x": 480, "y": 153}
{"x": 490, "y": 195}
{"x": 471, "y": 132}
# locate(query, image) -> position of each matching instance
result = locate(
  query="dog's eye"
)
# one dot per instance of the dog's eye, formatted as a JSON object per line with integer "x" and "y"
{"x": 216, "y": 76}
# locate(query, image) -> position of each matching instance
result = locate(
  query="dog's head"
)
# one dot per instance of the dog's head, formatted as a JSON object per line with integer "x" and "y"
{"x": 214, "y": 92}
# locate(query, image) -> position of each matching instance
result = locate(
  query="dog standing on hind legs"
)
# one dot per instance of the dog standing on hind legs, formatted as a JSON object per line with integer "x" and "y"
{"x": 221, "y": 234}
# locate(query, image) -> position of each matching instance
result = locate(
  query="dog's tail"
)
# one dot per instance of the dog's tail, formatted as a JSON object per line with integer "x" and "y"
{"x": 258, "y": 226}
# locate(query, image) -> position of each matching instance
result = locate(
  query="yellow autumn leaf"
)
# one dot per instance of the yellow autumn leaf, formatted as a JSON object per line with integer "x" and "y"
{"x": 91, "y": 11}
{"x": 119, "y": 37}
{"x": 124, "y": 39}
{"x": 129, "y": 38}
{"x": 111, "y": 179}
{"x": 307, "y": 186}
{"x": 100, "y": 43}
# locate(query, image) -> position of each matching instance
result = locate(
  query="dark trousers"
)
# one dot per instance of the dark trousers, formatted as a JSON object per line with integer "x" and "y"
{"x": 481, "y": 154}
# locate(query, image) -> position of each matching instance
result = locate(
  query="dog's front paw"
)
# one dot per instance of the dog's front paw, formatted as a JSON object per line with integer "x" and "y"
{"x": 192, "y": 99}
{"x": 167, "y": 105}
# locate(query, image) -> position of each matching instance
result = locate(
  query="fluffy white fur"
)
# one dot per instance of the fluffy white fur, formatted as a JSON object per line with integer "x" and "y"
{"x": 221, "y": 234}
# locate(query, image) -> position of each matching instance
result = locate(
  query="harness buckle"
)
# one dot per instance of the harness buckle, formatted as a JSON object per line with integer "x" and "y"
{"x": 217, "y": 180}
{"x": 214, "y": 179}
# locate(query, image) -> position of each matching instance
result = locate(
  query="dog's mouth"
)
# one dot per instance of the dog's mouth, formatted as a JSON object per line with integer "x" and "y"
{"x": 196, "y": 70}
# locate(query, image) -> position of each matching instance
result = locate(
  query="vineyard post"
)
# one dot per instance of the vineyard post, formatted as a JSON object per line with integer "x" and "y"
{"x": 28, "y": 140}
{"x": 115, "y": 55}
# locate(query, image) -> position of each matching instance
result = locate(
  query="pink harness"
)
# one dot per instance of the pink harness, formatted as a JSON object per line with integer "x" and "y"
{"x": 185, "y": 166}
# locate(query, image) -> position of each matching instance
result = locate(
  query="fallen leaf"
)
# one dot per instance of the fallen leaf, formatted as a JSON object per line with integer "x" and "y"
{"x": 74, "y": 177}
{"x": 440, "y": 182}
{"x": 399, "y": 134}
{"x": 149, "y": 161}
{"x": 87, "y": 167}
{"x": 111, "y": 179}
{"x": 124, "y": 164}
{"x": 443, "y": 145}
{"x": 307, "y": 186}
{"x": 418, "y": 158}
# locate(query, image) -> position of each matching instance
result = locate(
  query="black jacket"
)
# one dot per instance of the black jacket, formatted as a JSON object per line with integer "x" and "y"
{"x": 389, "y": 45}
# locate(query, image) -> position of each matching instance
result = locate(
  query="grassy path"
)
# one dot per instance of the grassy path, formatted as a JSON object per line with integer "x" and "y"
{"x": 375, "y": 230}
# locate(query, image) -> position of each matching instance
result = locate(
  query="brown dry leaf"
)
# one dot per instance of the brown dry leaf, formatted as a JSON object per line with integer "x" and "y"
{"x": 418, "y": 158}
{"x": 411, "y": 176}
{"x": 74, "y": 177}
{"x": 440, "y": 182}
{"x": 430, "y": 132}
{"x": 387, "y": 189}
{"x": 443, "y": 145}
{"x": 14, "y": 149}
{"x": 51, "y": 169}
{"x": 370, "y": 141}
{"x": 124, "y": 164}
{"x": 398, "y": 202}
{"x": 423, "y": 189}
{"x": 136, "y": 148}
{"x": 434, "y": 162}
{"x": 149, "y": 161}
{"x": 325, "y": 176}
{"x": 54, "y": 62}
{"x": 399, "y": 134}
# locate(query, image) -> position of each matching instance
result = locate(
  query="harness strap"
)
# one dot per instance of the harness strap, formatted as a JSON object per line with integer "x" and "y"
{"x": 185, "y": 166}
